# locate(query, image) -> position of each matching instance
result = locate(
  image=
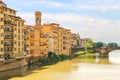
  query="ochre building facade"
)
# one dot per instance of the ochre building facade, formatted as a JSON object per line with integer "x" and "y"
{"x": 60, "y": 38}
{"x": 11, "y": 33}
{"x": 35, "y": 41}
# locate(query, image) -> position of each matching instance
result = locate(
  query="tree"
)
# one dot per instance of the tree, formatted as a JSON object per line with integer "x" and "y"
{"x": 112, "y": 44}
{"x": 78, "y": 44}
{"x": 99, "y": 44}
{"x": 89, "y": 44}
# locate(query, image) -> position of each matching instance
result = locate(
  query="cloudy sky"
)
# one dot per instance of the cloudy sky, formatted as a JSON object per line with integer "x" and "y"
{"x": 96, "y": 19}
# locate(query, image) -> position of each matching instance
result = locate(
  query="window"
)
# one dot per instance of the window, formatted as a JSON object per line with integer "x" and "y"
{"x": 15, "y": 28}
{"x": 15, "y": 35}
{"x": 14, "y": 49}
{"x": 1, "y": 42}
{"x": 1, "y": 49}
{"x": 19, "y": 30}
{"x": 1, "y": 11}
{"x": 10, "y": 11}
{"x": 13, "y": 12}
{"x": 22, "y": 36}
{"x": 22, "y": 43}
{"x": 1, "y": 19}
{"x": 18, "y": 50}
{"x": 5, "y": 9}
{"x": 15, "y": 42}
{"x": 1, "y": 27}
{"x": 18, "y": 37}
{"x": 22, "y": 24}
{"x": 18, "y": 43}
{"x": 18, "y": 24}
{"x": 64, "y": 47}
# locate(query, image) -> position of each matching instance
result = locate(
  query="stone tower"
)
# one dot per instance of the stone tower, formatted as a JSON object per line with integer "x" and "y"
{"x": 38, "y": 18}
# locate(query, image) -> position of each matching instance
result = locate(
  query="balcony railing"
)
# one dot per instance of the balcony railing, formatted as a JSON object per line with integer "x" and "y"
{"x": 8, "y": 30}
{"x": 8, "y": 51}
{"x": 8, "y": 37}
{"x": 8, "y": 45}
{"x": 9, "y": 23}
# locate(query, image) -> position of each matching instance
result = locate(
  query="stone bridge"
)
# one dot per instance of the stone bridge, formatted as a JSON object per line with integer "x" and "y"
{"x": 104, "y": 51}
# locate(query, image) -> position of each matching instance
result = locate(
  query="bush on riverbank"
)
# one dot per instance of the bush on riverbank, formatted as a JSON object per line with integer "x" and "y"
{"x": 52, "y": 58}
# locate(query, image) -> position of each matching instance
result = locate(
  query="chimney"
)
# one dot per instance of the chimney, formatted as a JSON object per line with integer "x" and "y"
{"x": 38, "y": 18}
{"x": 0, "y": 1}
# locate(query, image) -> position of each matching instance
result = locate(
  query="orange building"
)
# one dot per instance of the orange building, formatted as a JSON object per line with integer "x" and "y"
{"x": 35, "y": 42}
{"x": 59, "y": 40}
{"x": 40, "y": 39}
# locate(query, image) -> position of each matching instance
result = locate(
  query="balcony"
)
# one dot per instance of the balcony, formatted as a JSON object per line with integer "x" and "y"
{"x": 8, "y": 51}
{"x": 8, "y": 38}
{"x": 8, "y": 45}
{"x": 8, "y": 22}
{"x": 42, "y": 44}
{"x": 8, "y": 31}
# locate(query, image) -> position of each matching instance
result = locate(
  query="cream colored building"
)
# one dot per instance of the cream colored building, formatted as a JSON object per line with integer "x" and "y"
{"x": 75, "y": 40}
{"x": 11, "y": 33}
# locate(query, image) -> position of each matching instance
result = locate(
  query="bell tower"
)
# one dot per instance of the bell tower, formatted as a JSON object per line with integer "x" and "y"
{"x": 38, "y": 18}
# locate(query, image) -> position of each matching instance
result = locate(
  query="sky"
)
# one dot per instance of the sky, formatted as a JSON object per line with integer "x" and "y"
{"x": 95, "y": 19}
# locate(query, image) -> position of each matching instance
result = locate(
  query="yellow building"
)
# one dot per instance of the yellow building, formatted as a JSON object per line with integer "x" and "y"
{"x": 36, "y": 44}
{"x": 11, "y": 33}
{"x": 59, "y": 40}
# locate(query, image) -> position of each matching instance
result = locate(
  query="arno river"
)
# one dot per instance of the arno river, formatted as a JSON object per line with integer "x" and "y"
{"x": 87, "y": 68}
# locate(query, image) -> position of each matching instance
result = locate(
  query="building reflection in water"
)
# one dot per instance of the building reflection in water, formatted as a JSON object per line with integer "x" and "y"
{"x": 5, "y": 75}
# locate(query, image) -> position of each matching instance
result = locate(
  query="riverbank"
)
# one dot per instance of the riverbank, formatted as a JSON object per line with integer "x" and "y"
{"x": 13, "y": 63}
{"x": 50, "y": 59}
{"x": 75, "y": 69}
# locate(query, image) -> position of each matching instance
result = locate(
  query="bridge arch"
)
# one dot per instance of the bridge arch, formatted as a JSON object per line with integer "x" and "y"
{"x": 117, "y": 49}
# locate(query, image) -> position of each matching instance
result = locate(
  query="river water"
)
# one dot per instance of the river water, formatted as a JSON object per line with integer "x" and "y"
{"x": 82, "y": 68}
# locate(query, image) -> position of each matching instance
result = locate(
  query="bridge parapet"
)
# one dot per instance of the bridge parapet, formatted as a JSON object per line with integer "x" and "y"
{"x": 113, "y": 48}
{"x": 103, "y": 50}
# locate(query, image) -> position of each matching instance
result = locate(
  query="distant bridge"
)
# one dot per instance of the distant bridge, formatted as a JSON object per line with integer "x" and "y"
{"x": 103, "y": 50}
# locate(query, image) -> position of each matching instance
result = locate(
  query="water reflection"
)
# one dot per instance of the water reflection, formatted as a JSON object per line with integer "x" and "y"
{"x": 94, "y": 67}
{"x": 114, "y": 57}
{"x": 94, "y": 60}
{"x": 12, "y": 73}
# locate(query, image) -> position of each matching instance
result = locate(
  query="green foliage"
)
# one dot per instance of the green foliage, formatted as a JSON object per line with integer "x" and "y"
{"x": 79, "y": 53}
{"x": 89, "y": 44}
{"x": 112, "y": 44}
{"x": 99, "y": 44}
{"x": 89, "y": 51}
{"x": 52, "y": 58}
{"x": 78, "y": 42}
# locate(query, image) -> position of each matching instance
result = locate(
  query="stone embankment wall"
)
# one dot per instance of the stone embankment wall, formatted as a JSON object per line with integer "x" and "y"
{"x": 13, "y": 64}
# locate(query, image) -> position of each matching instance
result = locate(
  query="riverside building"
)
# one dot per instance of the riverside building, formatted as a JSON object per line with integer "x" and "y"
{"x": 36, "y": 41}
{"x": 60, "y": 38}
{"x": 11, "y": 33}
